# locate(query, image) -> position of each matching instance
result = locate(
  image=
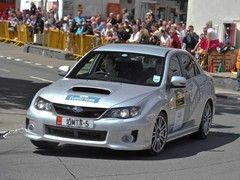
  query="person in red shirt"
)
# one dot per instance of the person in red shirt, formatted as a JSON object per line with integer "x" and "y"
{"x": 175, "y": 41}
{"x": 5, "y": 15}
{"x": 202, "y": 45}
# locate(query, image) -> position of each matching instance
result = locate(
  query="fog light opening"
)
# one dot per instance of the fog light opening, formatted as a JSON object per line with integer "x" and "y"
{"x": 31, "y": 127}
{"x": 128, "y": 138}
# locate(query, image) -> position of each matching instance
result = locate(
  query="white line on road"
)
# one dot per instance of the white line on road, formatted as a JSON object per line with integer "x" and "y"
{"x": 5, "y": 70}
{"x": 27, "y": 62}
{"x": 9, "y": 58}
{"x": 1, "y": 56}
{"x": 41, "y": 79}
{"x": 37, "y": 64}
{"x": 13, "y": 132}
{"x": 18, "y": 59}
{"x": 51, "y": 67}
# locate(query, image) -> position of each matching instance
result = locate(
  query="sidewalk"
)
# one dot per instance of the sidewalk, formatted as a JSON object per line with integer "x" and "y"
{"x": 225, "y": 83}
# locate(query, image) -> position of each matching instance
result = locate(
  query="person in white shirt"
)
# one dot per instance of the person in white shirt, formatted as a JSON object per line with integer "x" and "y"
{"x": 213, "y": 41}
{"x": 164, "y": 39}
{"x": 135, "y": 36}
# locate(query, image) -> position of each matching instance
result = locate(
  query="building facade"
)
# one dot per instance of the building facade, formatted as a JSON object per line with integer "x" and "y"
{"x": 174, "y": 10}
{"x": 224, "y": 14}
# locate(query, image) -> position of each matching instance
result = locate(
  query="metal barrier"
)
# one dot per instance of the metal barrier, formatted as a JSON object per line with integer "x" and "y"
{"x": 52, "y": 38}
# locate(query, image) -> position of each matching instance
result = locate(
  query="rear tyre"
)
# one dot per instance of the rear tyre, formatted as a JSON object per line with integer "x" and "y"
{"x": 159, "y": 136}
{"x": 44, "y": 144}
{"x": 206, "y": 122}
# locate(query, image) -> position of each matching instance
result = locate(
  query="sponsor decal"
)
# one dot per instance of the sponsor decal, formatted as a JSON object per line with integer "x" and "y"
{"x": 178, "y": 119}
{"x": 92, "y": 99}
{"x": 180, "y": 100}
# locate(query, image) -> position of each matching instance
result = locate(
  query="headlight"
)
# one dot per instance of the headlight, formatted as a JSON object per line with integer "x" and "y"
{"x": 42, "y": 104}
{"x": 123, "y": 113}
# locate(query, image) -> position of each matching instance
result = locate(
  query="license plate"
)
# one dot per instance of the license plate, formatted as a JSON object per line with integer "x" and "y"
{"x": 77, "y": 122}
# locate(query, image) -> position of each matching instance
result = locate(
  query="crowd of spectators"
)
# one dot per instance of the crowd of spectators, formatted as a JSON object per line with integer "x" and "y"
{"x": 121, "y": 28}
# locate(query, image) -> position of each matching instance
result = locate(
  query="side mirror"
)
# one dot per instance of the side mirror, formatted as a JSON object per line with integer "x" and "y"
{"x": 178, "y": 82}
{"x": 63, "y": 70}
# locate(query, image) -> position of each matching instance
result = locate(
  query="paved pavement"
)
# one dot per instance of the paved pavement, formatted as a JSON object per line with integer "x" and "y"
{"x": 14, "y": 52}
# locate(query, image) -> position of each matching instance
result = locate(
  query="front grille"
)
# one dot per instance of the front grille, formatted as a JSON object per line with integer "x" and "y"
{"x": 91, "y": 135}
{"x": 85, "y": 111}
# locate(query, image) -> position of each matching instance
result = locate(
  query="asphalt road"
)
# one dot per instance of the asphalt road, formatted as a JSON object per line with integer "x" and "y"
{"x": 216, "y": 158}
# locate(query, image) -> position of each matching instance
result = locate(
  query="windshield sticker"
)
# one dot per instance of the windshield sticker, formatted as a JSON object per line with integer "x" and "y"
{"x": 92, "y": 99}
{"x": 156, "y": 78}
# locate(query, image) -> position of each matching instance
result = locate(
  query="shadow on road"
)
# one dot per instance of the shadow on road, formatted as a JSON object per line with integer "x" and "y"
{"x": 17, "y": 93}
{"x": 181, "y": 148}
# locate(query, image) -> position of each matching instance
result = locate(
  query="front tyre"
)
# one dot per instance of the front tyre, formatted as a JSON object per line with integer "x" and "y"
{"x": 44, "y": 144}
{"x": 159, "y": 136}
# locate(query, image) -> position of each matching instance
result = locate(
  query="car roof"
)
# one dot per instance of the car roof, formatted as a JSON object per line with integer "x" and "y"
{"x": 135, "y": 48}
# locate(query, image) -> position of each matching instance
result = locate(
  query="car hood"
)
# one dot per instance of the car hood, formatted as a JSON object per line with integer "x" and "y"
{"x": 90, "y": 93}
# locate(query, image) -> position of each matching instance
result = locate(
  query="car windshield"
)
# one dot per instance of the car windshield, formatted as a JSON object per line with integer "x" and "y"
{"x": 121, "y": 67}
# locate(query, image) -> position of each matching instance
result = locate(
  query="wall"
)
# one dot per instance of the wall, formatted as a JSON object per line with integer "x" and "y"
{"x": 93, "y": 7}
{"x": 219, "y": 11}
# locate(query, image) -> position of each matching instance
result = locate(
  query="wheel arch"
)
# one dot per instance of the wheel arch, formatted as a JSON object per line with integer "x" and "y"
{"x": 164, "y": 112}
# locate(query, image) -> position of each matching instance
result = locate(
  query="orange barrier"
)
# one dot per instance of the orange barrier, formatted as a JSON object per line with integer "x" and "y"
{"x": 2, "y": 31}
{"x": 89, "y": 42}
{"x": 52, "y": 38}
{"x": 23, "y": 34}
{"x": 5, "y": 33}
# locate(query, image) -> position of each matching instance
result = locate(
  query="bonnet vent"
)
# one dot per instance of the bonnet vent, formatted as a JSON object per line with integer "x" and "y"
{"x": 91, "y": 90}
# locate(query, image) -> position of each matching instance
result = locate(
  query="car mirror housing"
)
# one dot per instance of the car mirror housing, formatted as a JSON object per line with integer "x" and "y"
{"x": 178, "y": 82}
{"x": 63, "y": 70}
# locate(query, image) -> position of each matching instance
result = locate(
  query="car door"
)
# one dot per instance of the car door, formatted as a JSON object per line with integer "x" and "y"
{"x": 177, "y": 102}
{"x": 191, "y": 73}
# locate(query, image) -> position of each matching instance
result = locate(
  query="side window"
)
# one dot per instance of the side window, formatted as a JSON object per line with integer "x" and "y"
{"x": 187, "y": 65}
{"x": 174, "y": 68}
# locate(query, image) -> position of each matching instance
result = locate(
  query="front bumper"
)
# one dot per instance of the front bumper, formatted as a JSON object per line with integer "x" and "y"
{"x": 108, "y": 133}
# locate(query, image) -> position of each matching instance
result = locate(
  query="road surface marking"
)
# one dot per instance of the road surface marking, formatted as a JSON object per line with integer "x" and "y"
{"x": 27, "y": 62}
{"x": 41, "y": 79}
{"x": 18, "y": 59}
{"x": 37, "y": 64}
{"x": 51, "y": 67}
{"x": 9, "y": 58}
{"x": 1, "y": 56}
{"x": 13, "y": 132}
{"x": 4, "y": 70}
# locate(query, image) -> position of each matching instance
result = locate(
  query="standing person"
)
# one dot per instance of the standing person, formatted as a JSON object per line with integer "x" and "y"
{"x": 79, "y": 19}
{"x": 164, "y": 39}
{"x": 144, "y": 34}
{"x": 77, "y": 22}
{"x": 122, "y": 34}
{"x": 135, "y": 36}
{"x": 33, "y": 9}
{"x": 213, "y": 41}
{"x": 111, "y": 19}
{"x": 174, "y": 41}
{"x": 125, "y": 14}
{"x": 190, "y": 40}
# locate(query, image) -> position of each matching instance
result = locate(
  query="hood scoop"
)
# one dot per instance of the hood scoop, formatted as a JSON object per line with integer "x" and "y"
{"x": 91, "y": 90}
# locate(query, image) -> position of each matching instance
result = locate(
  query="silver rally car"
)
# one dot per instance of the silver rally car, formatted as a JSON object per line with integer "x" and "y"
{"x": 124, "y": 97}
